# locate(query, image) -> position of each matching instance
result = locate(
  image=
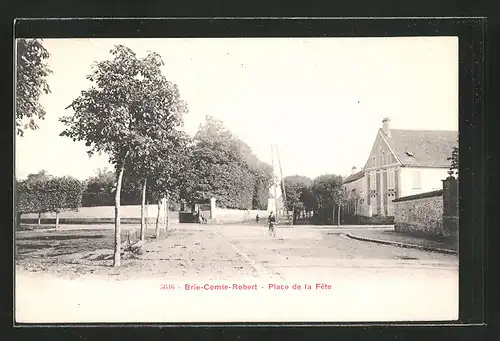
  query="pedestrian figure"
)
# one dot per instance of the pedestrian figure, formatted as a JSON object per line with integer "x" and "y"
{"x": 272, "y": 223}
{"x": 257, "y": 218}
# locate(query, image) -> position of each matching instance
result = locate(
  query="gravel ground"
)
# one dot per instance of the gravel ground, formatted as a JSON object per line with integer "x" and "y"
{"x": 366, "y": 281}
{"x": 176, "y": 254}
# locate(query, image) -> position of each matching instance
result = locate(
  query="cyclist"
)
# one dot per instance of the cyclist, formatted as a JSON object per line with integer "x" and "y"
{"x": 272, "y": 223}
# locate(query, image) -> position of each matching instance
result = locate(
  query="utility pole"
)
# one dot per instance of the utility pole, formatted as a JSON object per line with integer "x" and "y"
{"x": 282, "y": 184}
{"x": 274, "y": 183}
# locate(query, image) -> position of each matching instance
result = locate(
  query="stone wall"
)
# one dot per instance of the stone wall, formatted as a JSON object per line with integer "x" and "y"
{"x": 421, "y": 213}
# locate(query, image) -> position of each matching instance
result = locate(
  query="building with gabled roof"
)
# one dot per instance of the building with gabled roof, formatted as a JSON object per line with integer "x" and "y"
{"x": 355, "y": 191}
{"x": 401, "y": 163}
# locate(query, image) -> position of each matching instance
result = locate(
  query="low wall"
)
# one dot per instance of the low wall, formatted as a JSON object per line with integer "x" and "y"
{"x": 129, "y": 213}
{"x": 224, "y": 215}
{"x": 420, "y": 214}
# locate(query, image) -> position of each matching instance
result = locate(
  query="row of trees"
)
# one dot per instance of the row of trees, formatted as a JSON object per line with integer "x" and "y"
{"x": 41, "y": 193}
{"x": 134, "y": 114}
{"x": 218, "y": 163}
{"x": 323, "y": 195}
{"x": 224, "y": 167}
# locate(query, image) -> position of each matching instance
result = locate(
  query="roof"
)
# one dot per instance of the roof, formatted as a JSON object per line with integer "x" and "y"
{"x": 354, "y": 177}
{"x": 436, "y": 193}
{"x": 423, "y": 148}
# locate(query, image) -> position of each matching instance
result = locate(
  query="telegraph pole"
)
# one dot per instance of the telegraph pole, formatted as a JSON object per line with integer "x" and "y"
{"x": 282, "y": 183}
{"x": 274, "y": 183}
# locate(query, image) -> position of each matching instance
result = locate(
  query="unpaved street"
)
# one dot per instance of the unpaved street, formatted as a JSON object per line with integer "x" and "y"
{"x": 350, "y": 280}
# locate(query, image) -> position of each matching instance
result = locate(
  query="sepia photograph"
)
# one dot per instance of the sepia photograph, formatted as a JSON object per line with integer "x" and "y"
{"x": 205, "y": 180}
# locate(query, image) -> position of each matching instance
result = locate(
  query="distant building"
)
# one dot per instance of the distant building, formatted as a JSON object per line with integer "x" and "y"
{"x": 355, "y": 189}
{"x": 401, "y": 163}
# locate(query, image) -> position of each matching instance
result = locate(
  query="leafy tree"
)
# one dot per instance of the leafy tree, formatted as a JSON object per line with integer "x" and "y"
{"x": 309, "y": 199}
{"x": 161, "y": 99}
{"x": 63, "y": 193}
{"x": 161, "y": 170}
{"x": 296, "y": 187}
{"x": 222, "y": 166}
{"x": 166, "y": 177}
{"x": 328, "y": 191}
{"x": 41, "y": 193}
{"x": 31, "y": 81}
{"x": 263, "y": 175}
{"x": 454, "y": 160}
{"x": 31, "y": 196}
{"x": 99, "y": 189}
{"x": 128, "y": 96}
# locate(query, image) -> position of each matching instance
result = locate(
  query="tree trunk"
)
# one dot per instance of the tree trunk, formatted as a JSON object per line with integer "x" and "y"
{"x": 57, "y": 220}
{"x": 117, "y": 260}
{"x": 39, "y": 218}
{"x": 338, "y": 215}
{"x": 293, "y": 216}
{"x": 157, "y": 229}
{"x": 18, "y": 219}
{"x": 143, "y": 204}
{"x": 333, "y": 215}
{"x": 167, "y": 212}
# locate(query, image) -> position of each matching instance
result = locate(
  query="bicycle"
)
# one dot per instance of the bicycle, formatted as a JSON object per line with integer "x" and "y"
{"x": 272, "y": 229}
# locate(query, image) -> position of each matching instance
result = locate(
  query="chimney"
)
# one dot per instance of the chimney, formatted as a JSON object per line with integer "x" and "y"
{"x": 386, "y": 126}
{"x": 353, "y": 169}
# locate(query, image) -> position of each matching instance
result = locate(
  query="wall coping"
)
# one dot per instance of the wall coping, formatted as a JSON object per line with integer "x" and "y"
{"x": 430, "y": 194}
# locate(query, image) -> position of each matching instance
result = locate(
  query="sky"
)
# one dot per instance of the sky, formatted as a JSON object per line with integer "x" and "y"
{"x": 321, "y": 100}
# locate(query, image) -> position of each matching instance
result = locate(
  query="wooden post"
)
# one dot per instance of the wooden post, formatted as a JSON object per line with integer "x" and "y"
{"x": 274, "y": 185}
{"x": 167, "y": 204}
{"x": 57, "y": 220}
{"x": 157, "y": 227}
{"x": 143, "y": 203}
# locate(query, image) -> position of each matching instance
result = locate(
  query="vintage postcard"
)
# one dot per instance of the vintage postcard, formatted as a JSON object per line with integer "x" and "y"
{"x": 236, "y": 180}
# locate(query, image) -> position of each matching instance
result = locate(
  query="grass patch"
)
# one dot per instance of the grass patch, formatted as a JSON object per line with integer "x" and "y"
{"x": 56, "y": 243}
{"x": 72, "y": 252}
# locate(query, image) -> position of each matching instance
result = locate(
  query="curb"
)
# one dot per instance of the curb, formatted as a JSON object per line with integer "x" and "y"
{"x": 408, "y": 246}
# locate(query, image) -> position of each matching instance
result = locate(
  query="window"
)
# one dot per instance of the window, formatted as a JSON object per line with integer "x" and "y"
{"x": 381, "y": 159}
{"x": 391, "y": 180}
{"x": 416, "y": 180}
{"x": 373, "y": 162}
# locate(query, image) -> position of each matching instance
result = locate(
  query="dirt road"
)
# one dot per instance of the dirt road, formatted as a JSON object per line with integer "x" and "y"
{"x": 348, "y": 280}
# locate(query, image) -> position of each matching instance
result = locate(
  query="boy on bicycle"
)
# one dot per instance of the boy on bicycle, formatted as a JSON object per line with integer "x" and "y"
{"x": 272, "y": 221}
